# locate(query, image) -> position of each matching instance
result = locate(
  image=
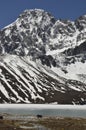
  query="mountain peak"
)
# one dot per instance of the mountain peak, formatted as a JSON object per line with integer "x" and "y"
{"x": 35, "y": 10}
{"x": 43, "y": 60}
{"x": 35, "y": 13}
{"x": 36, "y": 31}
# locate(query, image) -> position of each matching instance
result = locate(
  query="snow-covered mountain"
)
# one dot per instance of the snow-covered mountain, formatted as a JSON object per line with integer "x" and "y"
{"x": 43, "y": 60}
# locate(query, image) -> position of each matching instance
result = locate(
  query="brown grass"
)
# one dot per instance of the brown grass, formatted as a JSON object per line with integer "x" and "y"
{"x": 49, "y": 122}
{"x": 64, "y": 124}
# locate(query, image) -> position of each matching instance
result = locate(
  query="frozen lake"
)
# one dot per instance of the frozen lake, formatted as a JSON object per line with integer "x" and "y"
{"x": 44, "y": 109}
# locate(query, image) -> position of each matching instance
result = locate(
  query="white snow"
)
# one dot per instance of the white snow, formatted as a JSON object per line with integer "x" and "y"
{"x": 3, "y": 90}
{"x": 56, "y": 52}
{"x": 7, "y": 32}
{"x": 0, "y": 71}
{"x": 13, "y": 62}
{"x": 11, "y": 88}
{"x": 74, "y": 88}
{"x": 43, "y": 106}
{"x": 76, "y": 69}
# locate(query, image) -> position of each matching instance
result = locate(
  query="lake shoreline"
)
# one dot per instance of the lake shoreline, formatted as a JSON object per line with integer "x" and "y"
{"x": 9, "y": 122}
{"x": 76, "y": 111}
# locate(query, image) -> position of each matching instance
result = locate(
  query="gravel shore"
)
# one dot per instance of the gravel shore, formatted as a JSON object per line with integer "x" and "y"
{"x": 25, "y": 122}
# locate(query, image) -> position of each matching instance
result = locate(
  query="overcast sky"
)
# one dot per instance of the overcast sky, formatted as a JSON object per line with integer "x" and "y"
{"x": 64, "y": 9}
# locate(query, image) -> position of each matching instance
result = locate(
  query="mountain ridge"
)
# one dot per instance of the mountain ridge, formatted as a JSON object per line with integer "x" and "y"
{"x": 42, "y": 60}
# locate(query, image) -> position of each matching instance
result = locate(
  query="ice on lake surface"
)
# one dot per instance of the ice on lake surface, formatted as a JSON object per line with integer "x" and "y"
{"x": 42, "y": 106}
{"x": 45, "y": 110}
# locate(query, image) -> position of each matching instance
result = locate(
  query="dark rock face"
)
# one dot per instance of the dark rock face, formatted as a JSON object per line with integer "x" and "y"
{"x": 81, "y": 22}
{"x": 34, "y": 52}
{"x": 81, "y": 49}
{"x": 33, "y": 32}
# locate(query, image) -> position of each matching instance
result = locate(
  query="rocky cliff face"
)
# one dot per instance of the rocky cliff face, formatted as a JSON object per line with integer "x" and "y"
{"x": 43, "y": 60}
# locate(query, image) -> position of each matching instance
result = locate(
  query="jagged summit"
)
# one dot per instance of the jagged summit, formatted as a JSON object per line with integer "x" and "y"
{"x": 81, "y": 23}
{"x": 35, "y": 12}
{"x": 37, "y": 33}
{"x": 36, "y": 9}
{"x": 32, "y": 27}
{"x": 38, "y": 16}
